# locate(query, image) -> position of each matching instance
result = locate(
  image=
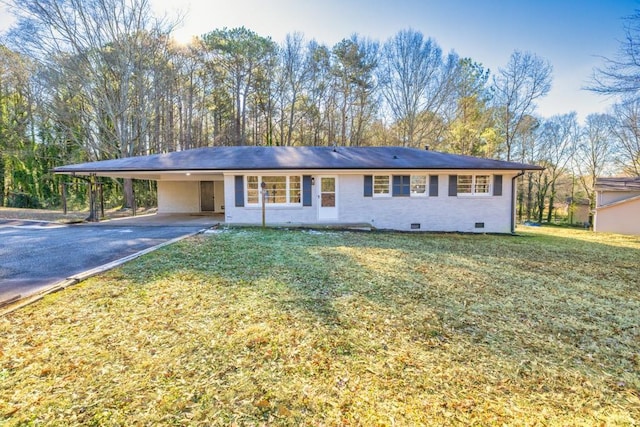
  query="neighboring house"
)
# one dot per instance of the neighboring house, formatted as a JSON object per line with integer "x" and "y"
{"x": 617, "y": 205}
{"x": 385, "y": 187}
{"x": 576, "y": 211}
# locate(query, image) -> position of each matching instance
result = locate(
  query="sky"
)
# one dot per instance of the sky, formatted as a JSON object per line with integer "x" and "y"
{"x": 573, "y": 35}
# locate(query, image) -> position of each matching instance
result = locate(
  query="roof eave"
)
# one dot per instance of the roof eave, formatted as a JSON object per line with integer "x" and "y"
{"x": 63, "y": 171}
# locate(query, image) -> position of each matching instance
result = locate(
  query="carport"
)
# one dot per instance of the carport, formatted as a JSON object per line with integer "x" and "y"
{"x": 180, "y": 191}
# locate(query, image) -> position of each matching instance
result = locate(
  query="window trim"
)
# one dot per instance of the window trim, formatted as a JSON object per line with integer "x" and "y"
{"x": 474, "y": 185}
{"x": 389, "y": 186}
{"x": 426, "y": 185}
{"x": 288, "y": 202}
{"x": 392, "y": 187}
{"x": 246, "y": 191}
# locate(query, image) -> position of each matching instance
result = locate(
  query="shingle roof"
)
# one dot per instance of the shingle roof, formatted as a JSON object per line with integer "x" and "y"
{"x": 299, "y": 158}
{"x": 618, "y": 184}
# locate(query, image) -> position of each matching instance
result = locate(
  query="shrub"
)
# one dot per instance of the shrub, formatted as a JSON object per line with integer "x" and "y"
{"x": 22, "y": 200}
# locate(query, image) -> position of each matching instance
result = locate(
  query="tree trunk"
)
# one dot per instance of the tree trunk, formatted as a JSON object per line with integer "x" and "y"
{"x": 541, "y": 197}
{"x": 552, "y": 196}
{"x": 520, "y": 198}
{"x": 530, "y": 196}
{"x": 127, "y": 190}
{"x": 8, "y": 180}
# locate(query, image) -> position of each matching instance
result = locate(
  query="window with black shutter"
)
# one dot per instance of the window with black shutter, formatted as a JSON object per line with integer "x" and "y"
{"x": 401, "y": 186}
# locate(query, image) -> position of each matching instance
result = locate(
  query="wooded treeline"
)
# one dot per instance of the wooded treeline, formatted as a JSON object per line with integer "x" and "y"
{"x": 84, "y": 80}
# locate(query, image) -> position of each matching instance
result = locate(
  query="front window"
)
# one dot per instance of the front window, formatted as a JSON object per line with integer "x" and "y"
{"x": 253, "y": 190}
{"x": 418, "y": 185}
{"x": 474, "y": 184}
{"x": 381, "y": 185}
{"x": 465, "y": 184}
{"x": 482, "y": 184}
{"x": 275, "y": 189}
{"x": 295, "y": 189}
{"x": 278, "y": 190}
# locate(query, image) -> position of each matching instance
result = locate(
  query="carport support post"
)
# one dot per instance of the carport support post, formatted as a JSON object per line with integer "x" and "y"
{"x": 134, "y": 205}
{"x": 64, "y": 198}
{"x": 101, "y": 201}
{"x": 93, "y": 214}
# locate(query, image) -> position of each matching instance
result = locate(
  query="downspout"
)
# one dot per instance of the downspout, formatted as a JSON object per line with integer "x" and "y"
{"x": 513, "y": 201}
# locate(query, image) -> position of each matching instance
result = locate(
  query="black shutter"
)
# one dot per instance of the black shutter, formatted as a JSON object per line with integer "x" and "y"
{"x": 453, "y": 185}
{"x": 401, "y": 186}
{"x": 497, "y": 185}
{"x": 433, "y": 185}
{"x": 396, "y": 189}
{"x": 368, "y": 186}
{"x": 239, "y": 191}
{"x": 306, "y": 190}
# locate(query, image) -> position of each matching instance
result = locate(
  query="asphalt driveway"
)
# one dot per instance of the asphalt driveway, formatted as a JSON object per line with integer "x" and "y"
{"x": 36, "y": 255}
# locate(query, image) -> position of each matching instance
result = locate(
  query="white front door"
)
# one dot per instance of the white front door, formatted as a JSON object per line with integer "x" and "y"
{"x": 328, "y": 198}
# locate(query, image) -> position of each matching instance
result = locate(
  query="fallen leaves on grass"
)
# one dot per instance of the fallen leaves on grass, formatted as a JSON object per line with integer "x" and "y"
{"x": 254, "y": 327}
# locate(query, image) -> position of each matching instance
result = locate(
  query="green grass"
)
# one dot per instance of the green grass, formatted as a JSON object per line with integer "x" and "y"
{"x": 289, "y": 327}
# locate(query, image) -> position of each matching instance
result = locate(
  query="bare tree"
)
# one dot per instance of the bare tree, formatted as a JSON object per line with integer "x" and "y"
{"x": 627, "y": 133}
{"x": 354, "y": 62}
{"x": 317, "y": 101}
{"x": 293, "y": 77}
{"x": 516, "y": 87}
{"x": 102, "y": 45}
{"x": 530, "y": 153}
{"x": 619, "y": 75}
{"x": 416, "y": 82}
{"x": 556, "y": 146}
{"x": 595, "y": 151}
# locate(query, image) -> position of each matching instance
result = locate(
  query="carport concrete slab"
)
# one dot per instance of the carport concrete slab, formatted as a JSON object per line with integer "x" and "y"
{"x": 170, "y": 220}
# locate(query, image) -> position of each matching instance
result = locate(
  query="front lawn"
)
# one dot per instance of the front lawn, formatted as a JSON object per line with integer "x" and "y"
{"x": 292, "y": 327}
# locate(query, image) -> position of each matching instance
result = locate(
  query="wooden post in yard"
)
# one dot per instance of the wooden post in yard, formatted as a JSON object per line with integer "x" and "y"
{"x": 263, "y": 186}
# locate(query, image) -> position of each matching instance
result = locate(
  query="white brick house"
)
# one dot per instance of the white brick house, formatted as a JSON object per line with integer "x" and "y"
{"x": 386, "y": 187}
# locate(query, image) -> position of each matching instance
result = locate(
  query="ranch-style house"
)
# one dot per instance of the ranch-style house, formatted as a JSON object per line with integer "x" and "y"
{"x": 393, "y": 188}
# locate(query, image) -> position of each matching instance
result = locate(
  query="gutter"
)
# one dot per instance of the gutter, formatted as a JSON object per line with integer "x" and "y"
{"x": 513, "y": 201}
